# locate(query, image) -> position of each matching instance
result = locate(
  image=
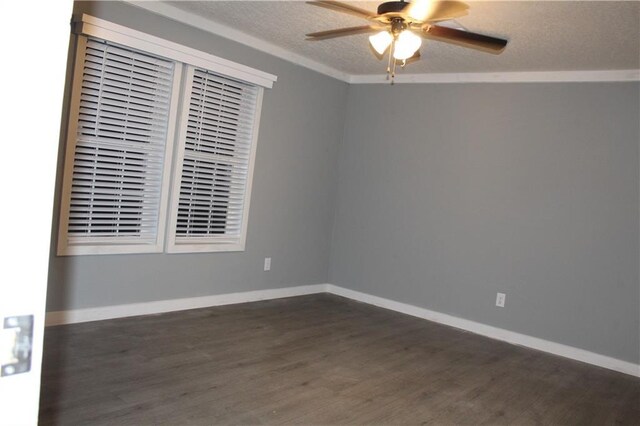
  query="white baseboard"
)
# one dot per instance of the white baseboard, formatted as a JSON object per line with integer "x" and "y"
{"x": 134, "y": 309}
{"x": 146, "y": 308}
{"x": 492, "y": 332}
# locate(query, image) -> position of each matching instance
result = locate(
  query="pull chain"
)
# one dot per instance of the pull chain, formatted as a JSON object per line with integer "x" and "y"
{"x": 391, "y": 68}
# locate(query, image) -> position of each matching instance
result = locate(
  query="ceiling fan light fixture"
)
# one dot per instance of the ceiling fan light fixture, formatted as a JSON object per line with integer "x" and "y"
{"x": 401, "y": 18}
{"x": 406, "y": 45}
{"x": 381, "y": 41}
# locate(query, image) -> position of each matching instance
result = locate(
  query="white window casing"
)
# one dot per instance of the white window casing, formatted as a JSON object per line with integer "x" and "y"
{"x": 91, "y": 26}
{"x": 160, "y": 149}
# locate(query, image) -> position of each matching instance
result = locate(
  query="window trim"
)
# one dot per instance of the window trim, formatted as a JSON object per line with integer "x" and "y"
{"x": 99, "y": 28}
{"x": 181, "y": 138}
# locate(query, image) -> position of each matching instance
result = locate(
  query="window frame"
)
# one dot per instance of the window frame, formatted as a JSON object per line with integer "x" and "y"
{"x": 185, "y": 59}
{"x": 105, "y": 30}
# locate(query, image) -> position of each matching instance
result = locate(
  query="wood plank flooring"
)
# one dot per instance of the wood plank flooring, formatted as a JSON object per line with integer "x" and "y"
{"x": 317, "y": 359}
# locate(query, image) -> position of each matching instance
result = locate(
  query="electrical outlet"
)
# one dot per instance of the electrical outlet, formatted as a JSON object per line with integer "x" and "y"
{"x": 267, "y": 263}
{"x": 500, "y": 299}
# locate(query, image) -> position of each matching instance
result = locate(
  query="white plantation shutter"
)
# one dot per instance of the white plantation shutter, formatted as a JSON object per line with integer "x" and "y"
{"x": 216, "y": 148}
{"x": 114, "y": 185}
{"x": 129, "y": 149}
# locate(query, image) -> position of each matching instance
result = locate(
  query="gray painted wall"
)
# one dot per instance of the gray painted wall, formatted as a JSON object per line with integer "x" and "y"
{"x": 292, "y": 200}
{"x": 451, "y": 193}
{"x": 443, "y": 195}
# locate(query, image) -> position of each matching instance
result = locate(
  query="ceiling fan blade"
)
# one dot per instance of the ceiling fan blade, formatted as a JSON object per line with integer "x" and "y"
{"x": 432, "y": 11}
{"x": 465, "y": 39}
{"x": 344, "y": 8}
{"x": 341, "y": 32}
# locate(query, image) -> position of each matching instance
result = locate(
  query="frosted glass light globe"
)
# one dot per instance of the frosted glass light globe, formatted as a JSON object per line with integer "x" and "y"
{"x": 381, "y": 41}
{"x": 406, "y": 45}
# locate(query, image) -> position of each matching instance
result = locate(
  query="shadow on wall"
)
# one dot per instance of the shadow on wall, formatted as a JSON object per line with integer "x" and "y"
{"x": 60, "y": 268}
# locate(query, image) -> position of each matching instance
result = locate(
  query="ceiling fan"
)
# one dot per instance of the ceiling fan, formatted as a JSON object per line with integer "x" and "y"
{"x": 399, "y": 26}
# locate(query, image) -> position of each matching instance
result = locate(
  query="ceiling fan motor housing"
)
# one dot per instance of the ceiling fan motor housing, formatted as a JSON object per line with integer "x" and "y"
{"x": 392, "y": 7}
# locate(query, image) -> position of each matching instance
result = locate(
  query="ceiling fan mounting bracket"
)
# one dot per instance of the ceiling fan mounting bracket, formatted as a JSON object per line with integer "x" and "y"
{"x": 390, "y": 11}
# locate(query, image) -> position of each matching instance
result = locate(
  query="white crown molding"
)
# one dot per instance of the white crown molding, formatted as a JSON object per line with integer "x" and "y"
{"x": 230, "y": 33}
{"x": 491, "y": 332}
{"x": 233, "y": 34}
{"x": 504, "y": 77}
{"x": 160, "y": 306}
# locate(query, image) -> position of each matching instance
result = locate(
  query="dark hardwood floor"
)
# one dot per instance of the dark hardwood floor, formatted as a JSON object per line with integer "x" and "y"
{"x": 317, "y": 359}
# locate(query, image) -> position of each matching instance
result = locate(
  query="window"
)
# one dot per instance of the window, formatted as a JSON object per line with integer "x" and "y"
{"x": 137, "y": 177}
{"x": 115, "y": 164}
{"x": 213, "y": 168}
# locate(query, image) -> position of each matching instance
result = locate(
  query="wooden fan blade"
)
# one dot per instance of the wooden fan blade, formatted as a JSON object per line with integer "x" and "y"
{"x": 344, "y": 8}
{"x": 465, "y": 39}
{"x": 433, "y": 11}
{"x": 341, "y": 32}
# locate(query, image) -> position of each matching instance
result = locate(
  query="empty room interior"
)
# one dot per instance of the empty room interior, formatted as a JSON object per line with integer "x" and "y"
{"x": 430, "y": 215}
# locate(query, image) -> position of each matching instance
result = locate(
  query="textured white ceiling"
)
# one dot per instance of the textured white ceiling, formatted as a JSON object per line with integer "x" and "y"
{"x": 543, "y": 35}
